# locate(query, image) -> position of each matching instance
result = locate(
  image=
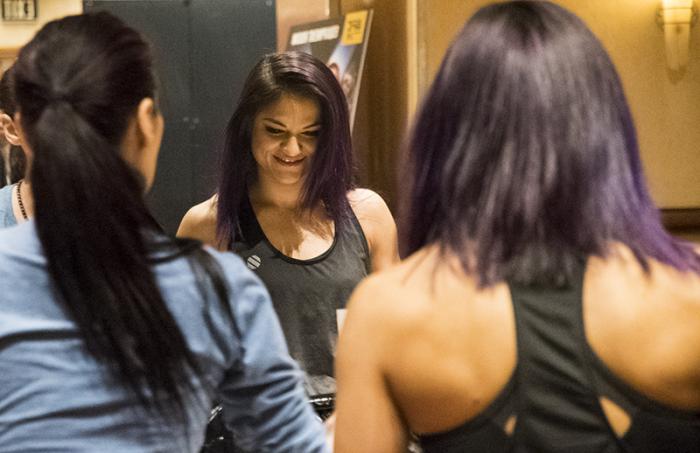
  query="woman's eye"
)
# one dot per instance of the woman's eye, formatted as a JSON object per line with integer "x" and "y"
{"x": 312, "y": 133}
{"x": 273, "y": 130}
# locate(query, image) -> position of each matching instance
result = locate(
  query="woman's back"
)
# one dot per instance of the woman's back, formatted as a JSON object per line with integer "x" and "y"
{"x": 55, "y": 396}
{"x": 451, "y": 360}
{"x": 524, "y": 168}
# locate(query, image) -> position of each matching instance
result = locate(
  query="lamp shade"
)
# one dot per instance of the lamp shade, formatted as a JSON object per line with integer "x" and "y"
{"x": 676, "y": 19}
{"x": 672, "y": 4}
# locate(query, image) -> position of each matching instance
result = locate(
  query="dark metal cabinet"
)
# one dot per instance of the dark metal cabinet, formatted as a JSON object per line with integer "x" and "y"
{"x": 204, "y": 50}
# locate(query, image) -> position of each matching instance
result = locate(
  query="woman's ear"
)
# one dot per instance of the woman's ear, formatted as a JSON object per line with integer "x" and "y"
{"x": 145, "y": 137}
{"x": 9, "y": 129}
{"x": 149, "y": 124}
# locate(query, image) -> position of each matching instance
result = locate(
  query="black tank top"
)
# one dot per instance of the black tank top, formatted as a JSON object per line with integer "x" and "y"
{"x": 307, "y": 294}
{"x": 554, "y": 392}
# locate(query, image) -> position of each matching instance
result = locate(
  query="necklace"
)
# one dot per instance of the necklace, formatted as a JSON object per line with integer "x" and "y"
{"x": 19, "y": 200}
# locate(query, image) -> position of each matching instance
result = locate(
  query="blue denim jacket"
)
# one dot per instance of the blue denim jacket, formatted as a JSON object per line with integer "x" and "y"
{"x": 7, "y": 217}
{"x": 55, "y": 397}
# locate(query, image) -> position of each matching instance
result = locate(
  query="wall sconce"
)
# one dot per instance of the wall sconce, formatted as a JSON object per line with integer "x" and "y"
{"x": 18, "y": 10}
{"x": 676, "y": 17}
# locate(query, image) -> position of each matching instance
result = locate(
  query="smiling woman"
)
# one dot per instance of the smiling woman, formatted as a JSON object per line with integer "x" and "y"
{"x": 284, "y": 139}
{"x": 286, "y": 203}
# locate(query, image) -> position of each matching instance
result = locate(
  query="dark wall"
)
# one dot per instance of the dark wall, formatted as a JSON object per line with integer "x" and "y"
{"x": 204, "y": 50}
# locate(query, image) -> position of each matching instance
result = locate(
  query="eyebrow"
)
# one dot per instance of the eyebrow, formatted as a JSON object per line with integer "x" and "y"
{"x": 279, "y": 123}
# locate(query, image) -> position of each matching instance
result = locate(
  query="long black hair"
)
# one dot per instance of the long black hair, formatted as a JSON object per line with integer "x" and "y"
{"x": 78, "y": 83}
{"x": 524, "y": 156}
{"x": 331, "y": 173}
{"x": 17, "y": 160}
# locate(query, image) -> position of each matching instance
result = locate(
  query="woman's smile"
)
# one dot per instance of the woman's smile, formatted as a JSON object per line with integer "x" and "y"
{"x": 290, "y": 162}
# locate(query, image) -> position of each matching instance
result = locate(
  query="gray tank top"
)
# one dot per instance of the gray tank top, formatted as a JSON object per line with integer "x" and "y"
{"x": 307, "y": 294}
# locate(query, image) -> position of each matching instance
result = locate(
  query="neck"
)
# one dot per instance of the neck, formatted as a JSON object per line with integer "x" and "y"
{"x": 6, "y": 161}
{"x": 268, "y": 192}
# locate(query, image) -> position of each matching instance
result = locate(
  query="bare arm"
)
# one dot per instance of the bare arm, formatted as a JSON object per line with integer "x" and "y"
{"x": 200, "y": 223}
{"x": 378, "y": 226}
{"x": 367, "y": 418}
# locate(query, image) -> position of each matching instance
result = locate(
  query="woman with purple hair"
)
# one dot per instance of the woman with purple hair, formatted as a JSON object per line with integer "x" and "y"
{"x": 287, "y": 204}
{"x": 543, "y": 307}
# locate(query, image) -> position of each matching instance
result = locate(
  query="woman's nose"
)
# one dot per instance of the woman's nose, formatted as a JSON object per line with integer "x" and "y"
{"x": 292, "y": 148}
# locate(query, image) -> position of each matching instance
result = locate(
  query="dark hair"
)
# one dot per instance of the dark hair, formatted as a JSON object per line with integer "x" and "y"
{"x": 330, "y": 176}
{"x": 8, "y": 106}
{"x": 7, "y": 96}
{"x": 524, "y": 157}
{"x": 78, "y": 84}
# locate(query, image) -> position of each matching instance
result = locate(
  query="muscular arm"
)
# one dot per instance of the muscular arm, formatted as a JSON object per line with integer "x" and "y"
{"x": 378, "y": 226}
{"x": 367, "y": 419}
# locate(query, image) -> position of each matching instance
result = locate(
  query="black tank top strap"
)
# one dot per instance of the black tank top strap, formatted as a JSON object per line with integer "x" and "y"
{"x": 485, "y": 433}
{"x": 557, "y": 409}
{"x": 249, "y": 230}
{"x": 654, "y": 426}
{"x": 357, "y": 235}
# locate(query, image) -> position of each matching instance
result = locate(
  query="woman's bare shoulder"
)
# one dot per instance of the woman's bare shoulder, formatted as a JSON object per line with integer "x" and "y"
{"x": 371, "y": 210}
{"x": 385, "y": 295}
{"x": 365, "y": 199}
{"x": 659, "y": 286}
{"x": 200, "y": 222}
{"x": 378, "y": 226}
{"x": 402, "y": 296}
{"x": 644, "y": 325}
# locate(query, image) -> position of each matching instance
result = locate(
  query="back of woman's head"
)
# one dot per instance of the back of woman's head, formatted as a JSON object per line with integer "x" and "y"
{"x": 93, "y": 64}
{"x": 330, "y": 176}
{"x": 524, "y": 156}
{"x": 78, "y": 85}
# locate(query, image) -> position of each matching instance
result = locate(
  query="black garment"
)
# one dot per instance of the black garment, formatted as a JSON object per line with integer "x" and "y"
{"x": 307, "y": 293}
{"x": 554, "y": 392}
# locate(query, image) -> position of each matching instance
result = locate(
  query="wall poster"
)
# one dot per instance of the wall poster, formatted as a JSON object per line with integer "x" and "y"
{"x": 342, "y": 44}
